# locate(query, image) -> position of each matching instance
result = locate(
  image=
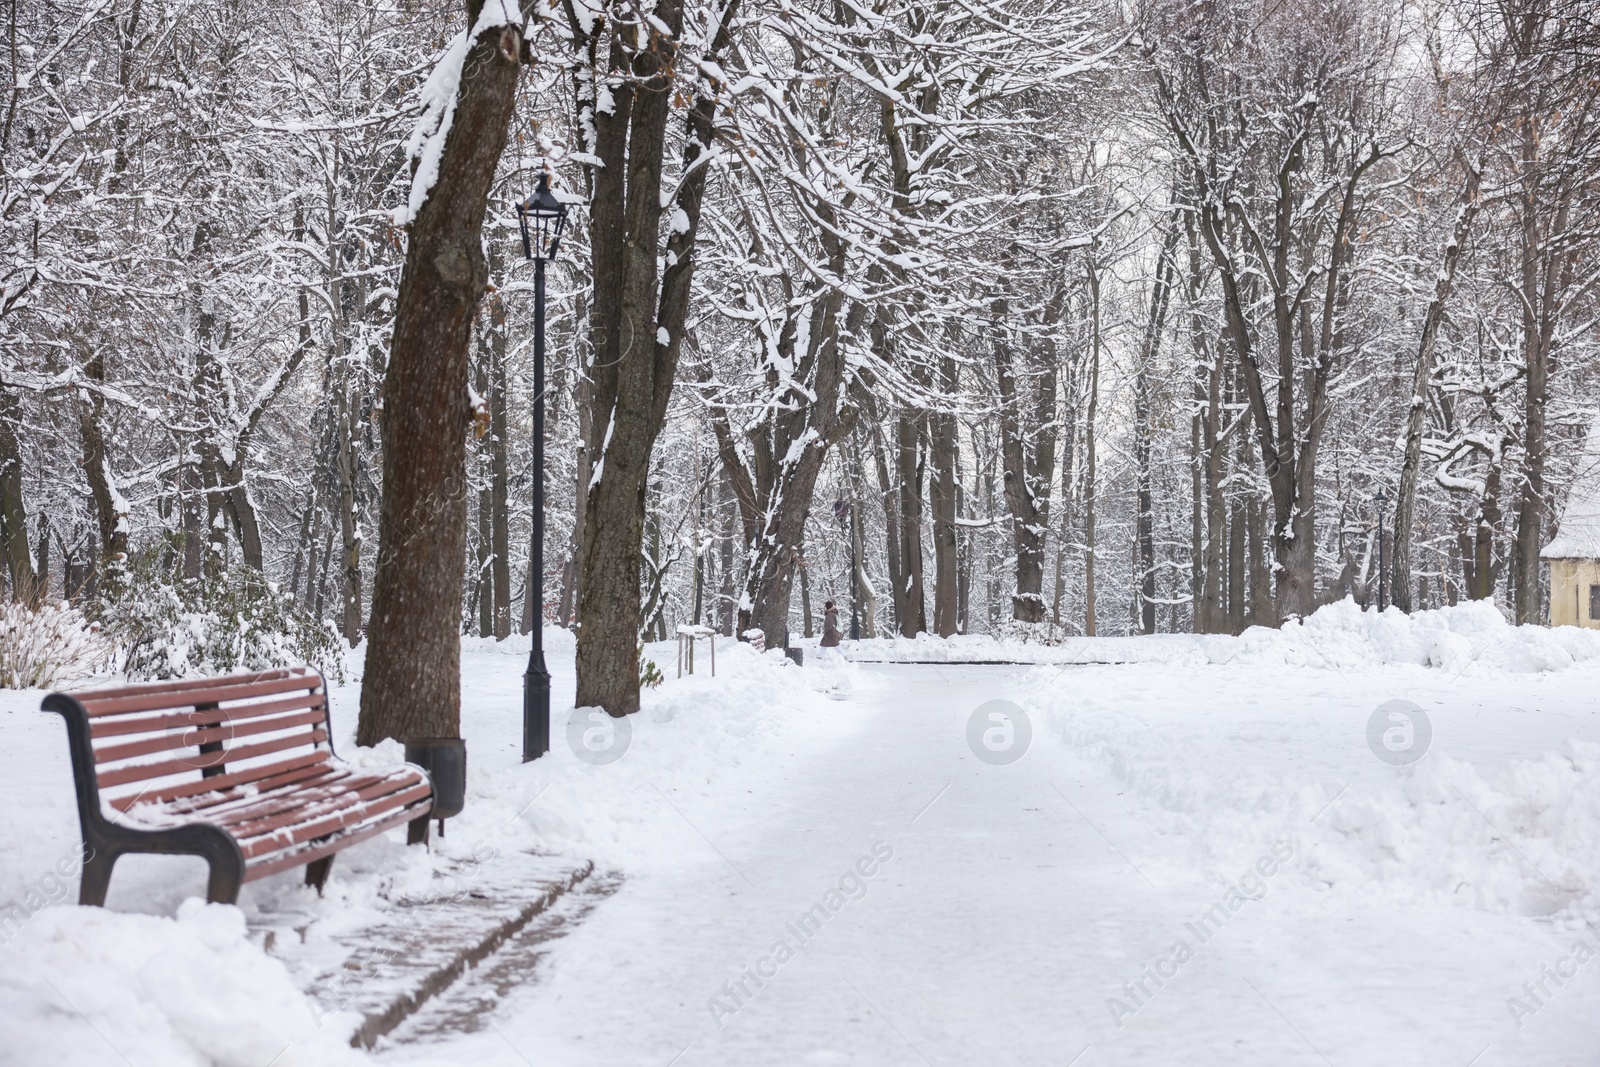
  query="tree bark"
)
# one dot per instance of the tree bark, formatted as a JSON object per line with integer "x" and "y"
{"x": 1145, "y": 548}
{"x": 1405, "y": 495}
{"x": 729, "y": 527}
{"x": 639, "y": 332}
{"x": 1091, "y": 416}
{"x": 483, "y": 580}
{"x": 913, "y": 617}
{"x": 942, "y": 507}
{"x": 891, "y": 522}
{"x": 789, "y": 453}
{"x": 499, "y": 466}
{"x": 1028, "y": 451}
{"x": 1240, "y": 521}
{"x": 13, "y": 510}
{"x": 412, "y": 688}
{"x": 110, "y": 509}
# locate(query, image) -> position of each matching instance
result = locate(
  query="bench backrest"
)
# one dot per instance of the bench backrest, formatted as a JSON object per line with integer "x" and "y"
{"x": 161, "y": 742}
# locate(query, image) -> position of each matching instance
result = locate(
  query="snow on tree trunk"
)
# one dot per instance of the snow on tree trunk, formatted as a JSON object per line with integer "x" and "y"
{"x": 413, "y": 678}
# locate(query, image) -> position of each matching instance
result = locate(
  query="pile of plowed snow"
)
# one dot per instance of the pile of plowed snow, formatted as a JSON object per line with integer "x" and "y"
{"x": 1338, "y": 636}
{"x": 1455, "y": 639}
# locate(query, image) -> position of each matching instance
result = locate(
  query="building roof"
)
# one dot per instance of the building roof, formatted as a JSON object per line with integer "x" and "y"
{"x": 1578, "y": 536}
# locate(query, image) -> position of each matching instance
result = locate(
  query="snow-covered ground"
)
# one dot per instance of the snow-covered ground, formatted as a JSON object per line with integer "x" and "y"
{"x": 1200, "y": 858}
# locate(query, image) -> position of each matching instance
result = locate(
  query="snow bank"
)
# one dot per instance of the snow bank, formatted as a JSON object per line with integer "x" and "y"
{"x": 89, "y": 986}
{"x": 190, "y": 988}
{"x": 1473, "y": 634}
{"x": 686, "y": 732}
{"x": 1229, "y": 760}
{"x": 1340, "y": 636}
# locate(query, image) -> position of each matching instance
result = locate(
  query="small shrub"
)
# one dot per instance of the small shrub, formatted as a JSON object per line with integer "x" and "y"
{"x": 1031, "y": 633}
{"x": 166, "y": 627}
{"x": 46, "y": 647}
{"x": 650, "y": 675}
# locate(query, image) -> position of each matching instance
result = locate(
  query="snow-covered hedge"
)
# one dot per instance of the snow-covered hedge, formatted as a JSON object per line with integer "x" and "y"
{"x": 48, "y": 646}
{"x": 234, "y": 621}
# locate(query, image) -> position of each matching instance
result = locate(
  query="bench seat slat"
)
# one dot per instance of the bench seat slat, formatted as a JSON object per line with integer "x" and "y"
{"x": 184, "y": 685}
{"x": 216, "y": 805}
{"x": 141, "y": 701}
{"x": 274, "y": 812}
{"x": 140, "y": 772}
{"x": 201, "y": 786}
{"x": 309, "y": 808}
{"x": 301, "y": 799}
{"x": 289, "y": 834}
{"x": 316, "y": 850}
{"x": 118, "y": 727}
{"x": 308, "y": 801}
{"x": 193, "y": 738}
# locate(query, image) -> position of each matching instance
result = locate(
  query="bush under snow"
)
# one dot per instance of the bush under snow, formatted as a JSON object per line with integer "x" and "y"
{"x": 233, "y": 621}
{"x": 48, "y": 646}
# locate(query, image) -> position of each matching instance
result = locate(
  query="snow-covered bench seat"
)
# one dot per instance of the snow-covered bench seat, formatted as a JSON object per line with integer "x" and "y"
{"x": 238, "y": 770}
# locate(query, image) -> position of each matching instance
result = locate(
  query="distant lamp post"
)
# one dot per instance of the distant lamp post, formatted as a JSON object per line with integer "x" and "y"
{"x": 1383, "y": 566}
{"x": 542, "y": 218}
{"x": 841, "y": 511}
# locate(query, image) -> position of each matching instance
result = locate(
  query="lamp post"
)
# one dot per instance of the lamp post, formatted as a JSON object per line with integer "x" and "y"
{"x": 1383, "y": 568}
{"x": 542, "y": 218}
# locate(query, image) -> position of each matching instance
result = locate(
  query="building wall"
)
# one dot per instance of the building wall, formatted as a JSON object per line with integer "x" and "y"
{"x": 1570, "y": 580}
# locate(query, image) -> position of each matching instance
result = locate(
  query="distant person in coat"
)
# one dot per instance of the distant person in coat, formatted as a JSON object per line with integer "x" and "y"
{"x": 830, "y": 626}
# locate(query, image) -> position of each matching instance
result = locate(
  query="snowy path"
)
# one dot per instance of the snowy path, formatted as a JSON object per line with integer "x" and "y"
{"x": 1019, "y": 902}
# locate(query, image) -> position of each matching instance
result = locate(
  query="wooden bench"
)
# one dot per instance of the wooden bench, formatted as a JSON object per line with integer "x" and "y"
{"x": 238, "y": 770}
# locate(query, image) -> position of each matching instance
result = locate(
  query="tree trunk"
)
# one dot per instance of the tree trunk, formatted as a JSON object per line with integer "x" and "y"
{"x": 942, "y": 450}
{"x": 867, "y": 595}
{"x": 110, "y": 509}
{"x": 412, "y": 688}
{"x": 1091, "y": 415}
{"x": 908, "y": 470}
{"x": 483, "y": 583}
{"x": 1543, "y": 267}
{"x": 729, "y": 530}
{"x": 1144, "y": 533}
{"x": 791, "y": 452}
{"x": 1485, "y": 572}
{"x": 1199, "y": 616}
{"x": 572, "y": 572}
{"x": 1405, "y": 495}
{"x": 499, "y": 465}
{"x": 1240, "y": 521}
{"x": 1263, "y": 608}
{"x": 805, "y": 598}
{"x": 639, "y": 331}
{"x": 891, "y": 525}
{"x": 1212, "y": 613}
{"x": 349, "y": 528}
{"x": 44, "y": 556}
{"x": 1026, "y": 381}
{"x": 964, "y": 565}
{"x": 303, "y": 545}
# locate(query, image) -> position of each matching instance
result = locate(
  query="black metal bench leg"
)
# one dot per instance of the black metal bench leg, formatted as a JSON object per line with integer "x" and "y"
{"x": 317, "y": 873}
{"x": 226, "y": 879}
{"x": 417, "y": 831}
{"x": 96, "y": 876}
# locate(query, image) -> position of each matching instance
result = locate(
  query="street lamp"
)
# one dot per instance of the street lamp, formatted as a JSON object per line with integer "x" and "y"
{"x": 1383, "y": 570}
{"x": 542, "y": 218}
{"x": 841, "y": 511}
